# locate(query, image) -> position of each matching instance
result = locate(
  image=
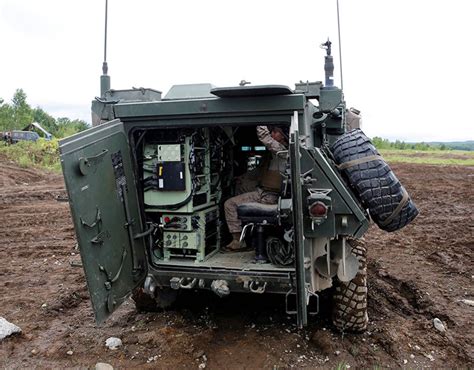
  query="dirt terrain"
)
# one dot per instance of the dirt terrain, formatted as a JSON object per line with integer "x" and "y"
{"x": 416, "y": 274}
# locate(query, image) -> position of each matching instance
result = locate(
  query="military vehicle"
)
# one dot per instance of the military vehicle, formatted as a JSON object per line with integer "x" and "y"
{"x": 14, "y": 136}
{"x": 148, "y": 182}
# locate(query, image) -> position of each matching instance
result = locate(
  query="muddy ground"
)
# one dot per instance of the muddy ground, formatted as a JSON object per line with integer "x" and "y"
{"x": 416, "y": 274}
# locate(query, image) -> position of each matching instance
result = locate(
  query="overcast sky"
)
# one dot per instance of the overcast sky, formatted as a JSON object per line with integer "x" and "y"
{"x": 407, "y": 65}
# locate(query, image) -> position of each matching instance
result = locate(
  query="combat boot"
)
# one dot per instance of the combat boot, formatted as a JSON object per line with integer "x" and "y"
{"x": 235, "y": 245}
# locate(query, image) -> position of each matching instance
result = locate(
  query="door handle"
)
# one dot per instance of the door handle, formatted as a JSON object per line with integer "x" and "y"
{"x": 86, "y": 163}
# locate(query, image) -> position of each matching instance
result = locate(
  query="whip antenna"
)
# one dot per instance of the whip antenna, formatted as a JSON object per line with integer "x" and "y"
{"x": 104, "y": 65}
{"x": 105, "y": 79}
{"x": 340, "y": 48}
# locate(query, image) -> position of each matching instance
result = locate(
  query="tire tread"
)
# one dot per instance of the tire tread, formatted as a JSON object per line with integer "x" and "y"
{"x": 375, "y": 184}
{"x": 350, "y": 298}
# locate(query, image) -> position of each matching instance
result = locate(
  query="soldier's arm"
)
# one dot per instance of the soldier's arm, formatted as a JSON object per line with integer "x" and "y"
{"x": 263, "y": 134}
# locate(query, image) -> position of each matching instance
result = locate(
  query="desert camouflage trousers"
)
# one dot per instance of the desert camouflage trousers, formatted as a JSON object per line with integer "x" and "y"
{"x": 231, "y": 204}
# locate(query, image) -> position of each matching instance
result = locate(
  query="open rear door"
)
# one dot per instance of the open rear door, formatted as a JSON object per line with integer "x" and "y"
{"x": 298, "y": 237}
{"x": 97, "y": 168}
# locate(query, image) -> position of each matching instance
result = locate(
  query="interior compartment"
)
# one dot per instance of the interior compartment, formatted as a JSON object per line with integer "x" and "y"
{"x": 184, "y": 177}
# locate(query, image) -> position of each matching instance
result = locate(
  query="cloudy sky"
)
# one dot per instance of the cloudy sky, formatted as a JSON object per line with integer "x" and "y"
{"x": 407, "y": 65}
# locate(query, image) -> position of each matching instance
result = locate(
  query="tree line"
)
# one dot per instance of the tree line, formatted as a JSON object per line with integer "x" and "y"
{"x": 380, "y": 143}
{"x": 18, "y": 114}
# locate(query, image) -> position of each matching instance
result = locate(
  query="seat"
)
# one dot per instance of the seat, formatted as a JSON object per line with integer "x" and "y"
{"x": 258, "y": 213}
{"x": 257, "y": 216}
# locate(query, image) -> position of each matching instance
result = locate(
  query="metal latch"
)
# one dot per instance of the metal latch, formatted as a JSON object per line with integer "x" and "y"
{"x": 310, "y": 296}
{"x": 98, "y": 220}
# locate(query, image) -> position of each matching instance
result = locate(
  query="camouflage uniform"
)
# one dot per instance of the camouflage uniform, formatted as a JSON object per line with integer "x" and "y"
{"x": 259, "y": 194}
{"x": 248, "y": 182}
{"x": 230, "y": 206}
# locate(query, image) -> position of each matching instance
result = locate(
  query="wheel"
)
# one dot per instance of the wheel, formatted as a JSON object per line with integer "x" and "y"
{"x": 164, "y": 298}
{"x": 350, "y": 298}
{"x": 373, "y": 181}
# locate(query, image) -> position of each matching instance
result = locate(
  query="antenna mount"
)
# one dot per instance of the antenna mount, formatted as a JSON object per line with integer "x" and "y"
{"x": 327, "y": 46}
{"x": 328, "y": 64}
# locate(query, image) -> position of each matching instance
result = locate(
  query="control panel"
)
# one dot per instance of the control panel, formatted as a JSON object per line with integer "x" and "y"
{"x": 182, "y": 179}
{"x": 191, "y": 236}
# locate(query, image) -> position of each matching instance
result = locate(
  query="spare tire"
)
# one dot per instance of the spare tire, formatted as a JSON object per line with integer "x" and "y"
{"x": 373, "y": 181}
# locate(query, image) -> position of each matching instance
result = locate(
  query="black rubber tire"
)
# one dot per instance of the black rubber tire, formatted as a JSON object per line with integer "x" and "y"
{"x": 350, "y": 298}
{"x": 164, "y": 298}
{"x": 373, "y": 182}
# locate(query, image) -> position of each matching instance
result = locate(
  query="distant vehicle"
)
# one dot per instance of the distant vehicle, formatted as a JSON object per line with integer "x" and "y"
{"x": 36, "y": 125}
{"x": 15, "y": 136}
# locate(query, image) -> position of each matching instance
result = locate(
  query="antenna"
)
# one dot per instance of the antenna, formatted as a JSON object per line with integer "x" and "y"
{"x": 104, "y": 65}
{"x": 340, "y": 48}
{"x": 105, "y": 79}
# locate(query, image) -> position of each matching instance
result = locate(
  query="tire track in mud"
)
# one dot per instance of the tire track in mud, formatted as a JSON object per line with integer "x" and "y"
{"x": 407, "y": 300}
{"x": 423, "y": 271}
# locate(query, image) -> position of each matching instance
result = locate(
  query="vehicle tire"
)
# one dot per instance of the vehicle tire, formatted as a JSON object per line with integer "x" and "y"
{"x": 373, "y": 181}
{"x": 350, "y": 298}
{"x": 164, "y": 298}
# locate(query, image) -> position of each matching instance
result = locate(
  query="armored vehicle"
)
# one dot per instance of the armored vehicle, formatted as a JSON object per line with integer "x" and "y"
{"x": 147, "y": 186}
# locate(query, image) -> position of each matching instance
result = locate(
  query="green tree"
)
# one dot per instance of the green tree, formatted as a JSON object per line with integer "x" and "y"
{"x": 381, "y": 143}
{"x": 400, "y": 145}
{"x": 47, "y": 121}
{"x": 22, "y": 112}
{"x": 6, "y": 113}
{"x": 67, "y": 127}
{"x": 422, "y": 146}
{"x": 19, "y": 114}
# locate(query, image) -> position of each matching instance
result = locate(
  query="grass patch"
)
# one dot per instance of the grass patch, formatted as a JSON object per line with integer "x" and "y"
{"x": 45, "y": 154}
{"x": 41, "y": 154}
{"x": 434, "y": 157}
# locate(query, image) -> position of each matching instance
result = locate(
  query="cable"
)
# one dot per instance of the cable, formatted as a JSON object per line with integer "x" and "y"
{"x": 279, "y": 253}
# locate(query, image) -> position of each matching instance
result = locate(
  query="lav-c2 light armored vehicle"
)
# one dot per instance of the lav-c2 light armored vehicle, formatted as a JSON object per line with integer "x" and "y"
{"x": 148, "y": 182}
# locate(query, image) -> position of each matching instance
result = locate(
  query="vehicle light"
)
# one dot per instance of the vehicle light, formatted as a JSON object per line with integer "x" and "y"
{"x": 166, "y": 220}
{"x": 318, "y": 209}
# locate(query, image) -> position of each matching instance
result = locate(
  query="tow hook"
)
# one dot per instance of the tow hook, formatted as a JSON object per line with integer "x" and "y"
{"x": 257, "y": 287}
{"x": 183, "y": 283}
{"x": 188, "y": 283}
{"x": 150, "y": 286}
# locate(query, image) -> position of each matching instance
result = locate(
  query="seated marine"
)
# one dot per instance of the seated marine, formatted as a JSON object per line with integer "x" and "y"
{"x": 269, "y": 183}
